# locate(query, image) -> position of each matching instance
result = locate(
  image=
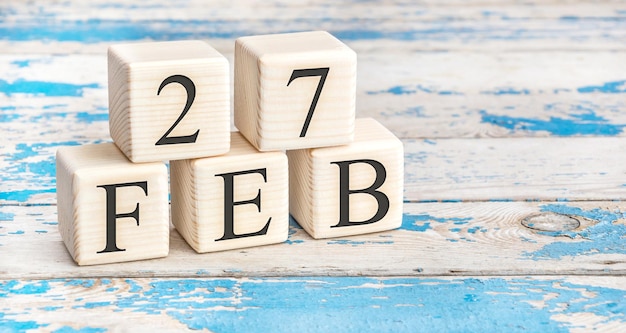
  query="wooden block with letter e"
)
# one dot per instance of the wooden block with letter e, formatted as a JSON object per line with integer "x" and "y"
{"x": 169, "y": 100}
{"x": 236, "y": 200}
{"x": 351, "y": 189}
{"x": 294, "y": 90}
{"x": 109, "y": 209}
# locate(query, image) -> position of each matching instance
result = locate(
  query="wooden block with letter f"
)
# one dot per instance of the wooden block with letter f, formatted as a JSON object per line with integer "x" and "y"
{"x": 109, "y": 209}
{"x": 294, "y": 90}
{"x": 168, "y": 100}
{"x": 350, "y": 189}
{"x": 236, "y": 200}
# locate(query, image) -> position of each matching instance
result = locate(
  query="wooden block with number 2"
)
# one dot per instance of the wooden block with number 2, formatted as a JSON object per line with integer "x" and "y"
{"x": 294, "y": 90}
{"x": 169, "y": 100}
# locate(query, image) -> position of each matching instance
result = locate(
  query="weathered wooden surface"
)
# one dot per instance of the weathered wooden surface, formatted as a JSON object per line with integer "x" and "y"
{"x": 512, "y": 118}
{"x": 316, "y": 304}
{"x": 552, "y": 169}
{"x": 482, "y": 238}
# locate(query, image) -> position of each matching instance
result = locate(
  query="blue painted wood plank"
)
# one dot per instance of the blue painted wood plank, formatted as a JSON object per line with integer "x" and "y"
{"x": 314, "y": 304}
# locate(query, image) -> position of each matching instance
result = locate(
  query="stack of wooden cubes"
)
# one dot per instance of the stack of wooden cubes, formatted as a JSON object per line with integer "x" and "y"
{"x": 300, "y": 150}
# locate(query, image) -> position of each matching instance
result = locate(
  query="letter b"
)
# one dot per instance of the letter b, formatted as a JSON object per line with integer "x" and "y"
{"x": 345, "y": 192}
{"x": 351, "y": 189}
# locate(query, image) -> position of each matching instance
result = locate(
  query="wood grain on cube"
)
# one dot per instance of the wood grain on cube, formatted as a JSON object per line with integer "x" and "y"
{"x": 294, "y": 90}
{"x": 374, "y": 164}
{"x": 168, "y": 100}
{"x": 92, "y": 179}
{"x": 258, "y": 200}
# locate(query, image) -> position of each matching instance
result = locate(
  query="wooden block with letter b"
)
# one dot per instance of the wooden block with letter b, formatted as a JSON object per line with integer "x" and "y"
{"x": 236, "y": 200}
{"x": 168, "y": 100}
{"x": 109, "y": 209}
{"x": 294, "y": 90}
{"x": 351, "y": 189}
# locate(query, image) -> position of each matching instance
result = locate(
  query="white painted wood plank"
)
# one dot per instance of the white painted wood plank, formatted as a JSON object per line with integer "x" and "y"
{"x": 42, "y": 110}
{"x": 435, "y": 170}
{"x": 435, "y": 25}
{"x": 493, "y": 94}
{"x": 431, "y": 9}
{"x": 435, "y": 239}
{"x": 420, "y": 95}
{"x": 568, "y": 169}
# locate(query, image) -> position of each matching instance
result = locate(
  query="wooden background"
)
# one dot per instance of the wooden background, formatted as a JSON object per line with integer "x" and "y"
{"x": 512, "y": 115}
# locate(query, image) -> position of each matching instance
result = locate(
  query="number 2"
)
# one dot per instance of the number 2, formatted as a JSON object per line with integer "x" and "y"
{"x": 191, "y": 95}
{"x": 322, "y": 73}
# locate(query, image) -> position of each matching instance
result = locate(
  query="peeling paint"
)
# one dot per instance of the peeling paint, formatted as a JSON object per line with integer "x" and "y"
{"x": 357, "y": 243}
{"x": 614, "y": 87}
{"x": 410, "y": 90}
{"x": 605, "y": 236}
{"x": 585, "y": 124}
{"x": 43, "y": 88}
{"x": 506, "y": 91}
{"x": 348, "y": 304}
{"x": 422, "y": 222}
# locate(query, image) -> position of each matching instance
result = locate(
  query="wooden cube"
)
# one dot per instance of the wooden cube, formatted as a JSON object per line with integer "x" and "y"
{"x": 169, "y": 100}
{"x": 351, "y": 189}
{"x": 294, "y": 90}
{"x": 109, "y": 209}
{"x": 231, "y": 201}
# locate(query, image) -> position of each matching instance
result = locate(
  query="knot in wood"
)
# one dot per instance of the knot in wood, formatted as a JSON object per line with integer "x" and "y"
{"x": 550, "y": 222}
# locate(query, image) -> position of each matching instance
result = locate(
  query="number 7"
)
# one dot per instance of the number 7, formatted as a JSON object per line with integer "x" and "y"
{"x": 322, "y": 73}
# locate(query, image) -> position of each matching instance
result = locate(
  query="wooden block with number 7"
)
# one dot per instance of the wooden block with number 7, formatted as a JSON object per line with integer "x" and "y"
{"x": 169, "y": 100}
{"x": 294, "y": 90}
